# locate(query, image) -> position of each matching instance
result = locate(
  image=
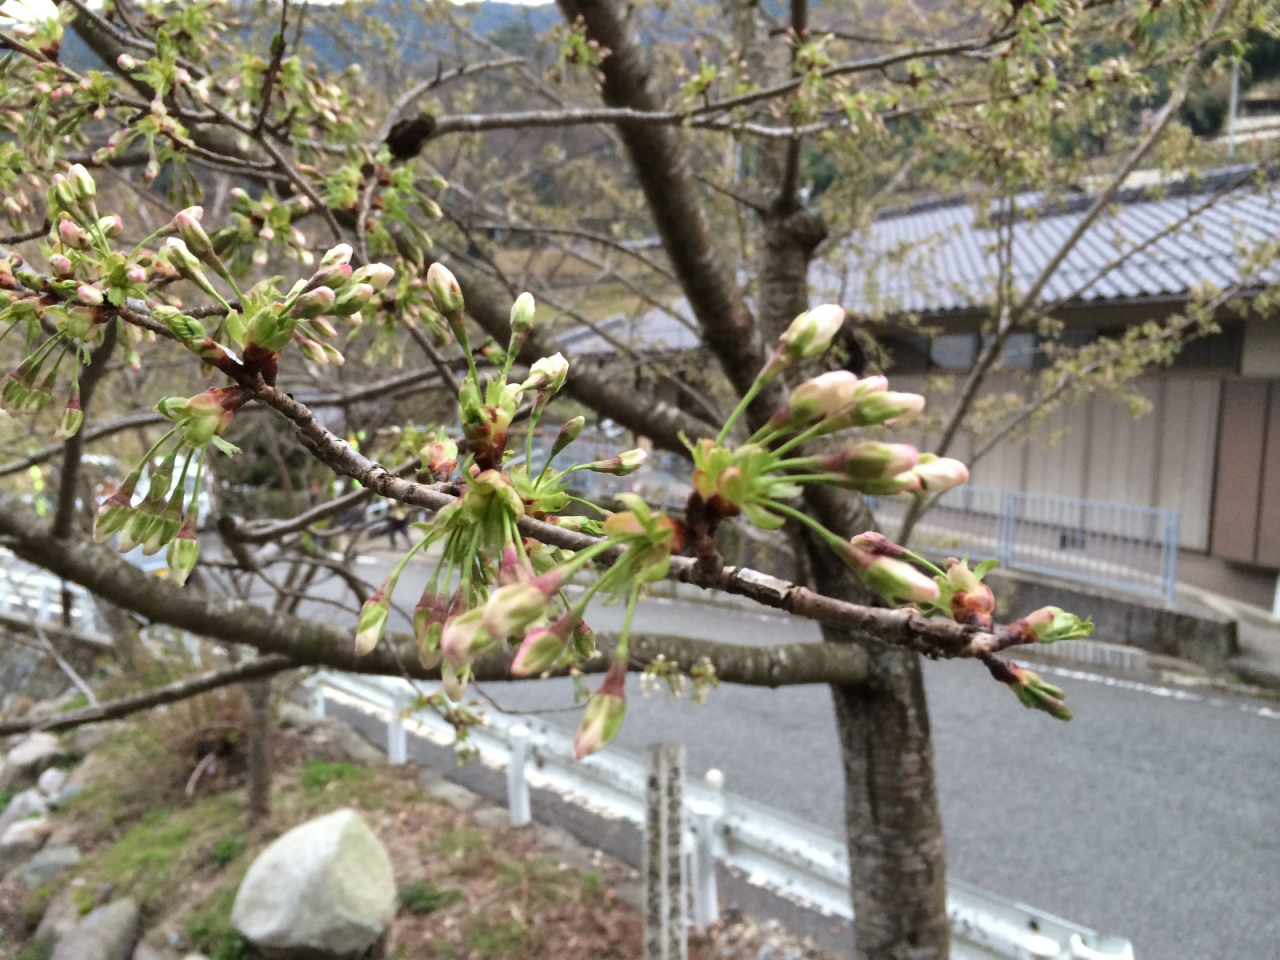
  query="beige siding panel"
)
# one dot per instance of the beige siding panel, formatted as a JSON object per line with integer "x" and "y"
{"x": 1122, "y": 454}
{"x": 1058, "y": 468}
{"x": 1188, "y": 444}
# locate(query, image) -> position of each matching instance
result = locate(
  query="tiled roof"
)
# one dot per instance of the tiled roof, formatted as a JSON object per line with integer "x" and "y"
{"x": 936, "y": 258}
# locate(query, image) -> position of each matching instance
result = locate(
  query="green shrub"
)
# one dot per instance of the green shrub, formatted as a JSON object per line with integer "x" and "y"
{"x": 318, "y": 774}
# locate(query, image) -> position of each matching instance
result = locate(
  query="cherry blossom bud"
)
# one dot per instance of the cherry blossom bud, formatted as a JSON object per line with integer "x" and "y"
{"x": 352, "y": 299}
{"x": 538, "y": 652}
{"x": 815, "y": 400}
{"x": 182, "y": 554}
{"x": 441, "y": 458}
{"x": 72, "y": 418}
{"x": 376, "y": 275}
{"x": 444, "y": 290}
{"x": 869, "y": 460}
{"x": 312, "y": 350}
{"x": 940, "y": 473}
{"x": 547, "y": 374}
{"x": 1053, "y": 623}
{"x": 1032, "y": 691}
{"x": 78, "y": 322}
{"x": 332, "y": 354}
{"x": 60, "y": 265}
{"x": 372, "y": 621}
{"x": 339, "y": 255}
{"x": 809, "y": 335}
{"x": 180, "y": 325}
{"x": 88, "y": 294}
{"x": 624, "y": 464}
{"x": 603, "y": 717}
{"x": 136, "y": 274}
{"x": 111, "y": 226}
{"x": 972, "y": 601}
{"x": 193, "y": 235}
{"x": 72, "y": 235}
{"x": 464, "y": 637}
{"x": 888, "y": 407}
{"x": 111, "y": 517}
{"x": 569, "y": 432}
{"x": 512, "y": 608}
{"x": 126, "y": 62}
{"x": 81, "y": 181}
{"x": 64, "y": 191}
{"x": 876, "y": 561}
{"x": 522, "y": 312}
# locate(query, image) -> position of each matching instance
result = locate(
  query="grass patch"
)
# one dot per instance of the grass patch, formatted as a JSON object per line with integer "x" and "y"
{"x": 5, "y": 797}
{"x": 164, "y": 845}
{"x": 34, "y": 951}
{"x": 423, "y": 896}
{"x": 212, "y": 932}
{"x": 226, "y": 850}
{"x": 318, "y": 775}
{"x": 491, "y": 939}
{"x": 34, "y": 906}
{"x": 460, "y": 844}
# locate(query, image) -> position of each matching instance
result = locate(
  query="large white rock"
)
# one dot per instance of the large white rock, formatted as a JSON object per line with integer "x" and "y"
{"x": 325, "y": 886}
{"x": 20, "y": 840}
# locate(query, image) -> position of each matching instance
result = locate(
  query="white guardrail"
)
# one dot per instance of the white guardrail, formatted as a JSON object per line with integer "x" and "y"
{"x": 793, "y": 859}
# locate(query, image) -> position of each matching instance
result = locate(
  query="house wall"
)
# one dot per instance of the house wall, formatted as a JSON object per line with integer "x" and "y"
{"x": 1096, "y": 449}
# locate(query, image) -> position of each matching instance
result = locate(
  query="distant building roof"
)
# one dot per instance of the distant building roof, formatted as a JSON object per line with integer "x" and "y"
{"x": 936, "y": 258}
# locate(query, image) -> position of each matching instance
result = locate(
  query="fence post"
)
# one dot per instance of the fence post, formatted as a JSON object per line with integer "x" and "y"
{"x": 665, "y": 936}
{"x": 397, "y": 741}
{"x": 517, "y": 785}
{"x": 705, "y": 816}
{"x": 1006, "y": 525}
{"x": 1169, "y": 568}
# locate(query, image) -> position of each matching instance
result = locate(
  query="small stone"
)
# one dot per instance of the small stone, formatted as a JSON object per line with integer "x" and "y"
{"x": 60, "y": 918}
{"x": 28, "y": 803}
{"x": 108, "y": 933}
{"x": 46, "y": 864}
{"x": 33, "y": 754}
{"x": 297, "y": 717}
{"x": 20, "y": 840}
{"x": 51, "y": 781}
{"x": 492, "y": 818}
{"x": 460, "y": 798}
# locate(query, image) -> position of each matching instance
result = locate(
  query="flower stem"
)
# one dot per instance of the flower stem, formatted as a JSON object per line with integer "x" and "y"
{"x": 745, "y": 402}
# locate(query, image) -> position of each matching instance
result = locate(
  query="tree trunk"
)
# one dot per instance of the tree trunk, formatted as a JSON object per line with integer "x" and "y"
{"x": 259, "y": 768}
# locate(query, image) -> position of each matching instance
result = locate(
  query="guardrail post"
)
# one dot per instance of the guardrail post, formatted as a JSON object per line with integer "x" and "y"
{"x": 397, "y": 740}
{"x": 517, "y": 785}
{"x": 705, "y": 818}
{"x": 665, "y": 935}
{"x": 315, "y": 697}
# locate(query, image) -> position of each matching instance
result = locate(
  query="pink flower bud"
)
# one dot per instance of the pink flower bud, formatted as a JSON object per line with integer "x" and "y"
{"x": 60, "y": 265}
{"x": 88, "y": 294}
{"x": 548, "y": 374}
{"x": 817, "y": 399}
{"x": 538, "y": 652}
{"x": 126, "y": 62}
{"x": 464, "y": 637}
{"x": 809, "y": 335}
{"x": 182, "y": 554}
{"x": 940, "y": 473}
{"x": 603, "y": 717}
{"x": 876, "y": 561}
{"x": 522, "y": 312}
{"x": 512, "y": 608}
{"x": 869, "y": 460}
{"x": 372, "y": 621}
{"x": 111, "y": 226}
{"x": 72, "y": 235}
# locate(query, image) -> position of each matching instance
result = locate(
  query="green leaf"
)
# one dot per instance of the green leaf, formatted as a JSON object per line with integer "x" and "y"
{"x": 230, "y": 449}
{"x": 985, "y": 567}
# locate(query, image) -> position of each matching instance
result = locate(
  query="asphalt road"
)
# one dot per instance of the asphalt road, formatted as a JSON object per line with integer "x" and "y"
{"x": 1154, "y": 815}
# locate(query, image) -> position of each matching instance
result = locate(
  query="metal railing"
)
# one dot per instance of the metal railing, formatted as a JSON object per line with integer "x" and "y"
{"x": 794, "y": 859}
{"x": 33, "y": 595}
{"x": 1114, "y": 545}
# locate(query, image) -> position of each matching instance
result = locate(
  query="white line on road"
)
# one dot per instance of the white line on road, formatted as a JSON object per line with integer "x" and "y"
{"x": 1171, "y": 693}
